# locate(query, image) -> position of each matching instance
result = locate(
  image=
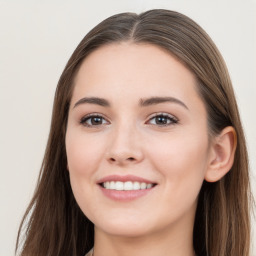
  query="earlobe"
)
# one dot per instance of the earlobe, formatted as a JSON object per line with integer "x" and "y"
{"x": 223, "y": 152}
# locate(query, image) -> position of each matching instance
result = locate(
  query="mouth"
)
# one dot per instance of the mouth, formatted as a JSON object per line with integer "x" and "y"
{"x": 127, "y": 185}
{"x": 126, "y": 188}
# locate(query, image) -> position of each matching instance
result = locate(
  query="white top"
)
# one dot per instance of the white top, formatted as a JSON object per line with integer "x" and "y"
{"x": 90, "y": 253}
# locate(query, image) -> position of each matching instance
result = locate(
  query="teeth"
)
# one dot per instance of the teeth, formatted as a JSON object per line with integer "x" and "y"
{"x": 143, "y": 185}
{"x": 128, "y": 185}
{"x": 119, "y": 185}
{"x": 149, "y": 185}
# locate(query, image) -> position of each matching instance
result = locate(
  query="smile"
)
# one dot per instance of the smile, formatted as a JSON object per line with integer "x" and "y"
{"x": 125, "y": 188}
{"x": 128, "y": 185}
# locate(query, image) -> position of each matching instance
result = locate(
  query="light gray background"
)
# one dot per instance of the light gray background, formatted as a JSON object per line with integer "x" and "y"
{"x": 36, "y": 40}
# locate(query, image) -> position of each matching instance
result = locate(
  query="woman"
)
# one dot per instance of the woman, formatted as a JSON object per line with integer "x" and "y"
{"x": 146, "y": 153}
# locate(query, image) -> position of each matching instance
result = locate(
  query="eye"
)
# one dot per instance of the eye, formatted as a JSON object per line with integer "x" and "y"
{"x": 163, "y": 119}
{"x": 93, "y": 120}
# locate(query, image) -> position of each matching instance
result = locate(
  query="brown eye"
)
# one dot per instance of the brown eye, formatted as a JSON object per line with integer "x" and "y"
{"x": 96, "y": 120}
{"x": 163, "y": 120}
{"x": 93, "y": 120}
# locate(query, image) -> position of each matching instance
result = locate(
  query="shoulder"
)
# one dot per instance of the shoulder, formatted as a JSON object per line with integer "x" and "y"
{"x": 90, "y": 253}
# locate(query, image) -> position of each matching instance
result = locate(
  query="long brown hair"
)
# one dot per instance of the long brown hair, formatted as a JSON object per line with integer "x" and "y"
{"x": 54, "y": 224}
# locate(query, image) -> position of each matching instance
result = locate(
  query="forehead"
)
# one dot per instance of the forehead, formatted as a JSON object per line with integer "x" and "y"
{"x": 138, "y": 70}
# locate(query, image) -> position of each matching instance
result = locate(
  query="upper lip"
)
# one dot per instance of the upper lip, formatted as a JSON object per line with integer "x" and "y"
{"x": 124, "y": 179}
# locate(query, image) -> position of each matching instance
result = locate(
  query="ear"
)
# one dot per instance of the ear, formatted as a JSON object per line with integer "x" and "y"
{"x": 222, "y": 154}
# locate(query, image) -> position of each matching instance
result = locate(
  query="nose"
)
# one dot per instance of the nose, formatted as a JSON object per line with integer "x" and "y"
{"x": 125, "y": 146}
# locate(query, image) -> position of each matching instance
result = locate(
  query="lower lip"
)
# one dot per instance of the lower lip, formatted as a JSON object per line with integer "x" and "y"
{"x": 125, "y": 195}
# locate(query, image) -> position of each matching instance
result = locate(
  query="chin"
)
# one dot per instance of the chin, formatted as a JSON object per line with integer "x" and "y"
{"x": 129, "y": 226}
{"x": 125, "y": 230}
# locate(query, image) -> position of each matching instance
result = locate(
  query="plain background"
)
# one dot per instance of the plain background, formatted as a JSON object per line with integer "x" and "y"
{"x": 36, "y": 40}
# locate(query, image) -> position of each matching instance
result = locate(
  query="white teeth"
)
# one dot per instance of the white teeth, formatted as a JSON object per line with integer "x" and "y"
{"x": 112, "y": 185}
{"x": 143, "y": 185}
{"x": 107, "y": 184}
{"x": 149, "y": 185}
{"x": 136, "y": 185}
{"x": 119, "y": 185}
{"x": 128, "y": 185}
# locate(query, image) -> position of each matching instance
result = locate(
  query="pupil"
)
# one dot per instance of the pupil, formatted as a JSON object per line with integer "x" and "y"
{"x": 161, "y": 120}
{"x": 96, "y": 120}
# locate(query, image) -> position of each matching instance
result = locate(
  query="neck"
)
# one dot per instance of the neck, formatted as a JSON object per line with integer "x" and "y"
{"x": 172, "y": 242}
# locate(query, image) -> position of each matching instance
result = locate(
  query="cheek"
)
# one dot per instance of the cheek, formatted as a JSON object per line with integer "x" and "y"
{"x": 83, "y": 156}
{"x": 182, "y": 161}
{"x": 83, "y": 153}
{"x": 180, "y": 150}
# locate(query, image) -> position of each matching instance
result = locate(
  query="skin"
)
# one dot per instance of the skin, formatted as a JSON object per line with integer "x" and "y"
{"x": 128, "y": 140}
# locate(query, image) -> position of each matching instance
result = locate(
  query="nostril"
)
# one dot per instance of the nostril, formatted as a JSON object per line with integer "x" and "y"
{"x": 127, "y": 159}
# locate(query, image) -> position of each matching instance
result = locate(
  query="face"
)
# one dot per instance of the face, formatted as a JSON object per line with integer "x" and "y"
{"x": 137, "y": 142}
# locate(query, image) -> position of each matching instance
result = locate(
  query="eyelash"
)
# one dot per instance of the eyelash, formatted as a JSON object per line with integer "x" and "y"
{"x": 88, "y": 117}
{"x": 171, "y": 119}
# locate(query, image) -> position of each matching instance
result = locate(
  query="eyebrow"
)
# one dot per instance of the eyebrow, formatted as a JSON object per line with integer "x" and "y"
{"x": 143, "y": 102}
{"x": 93, "y": 100}
{"x": 158, "y": 100}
